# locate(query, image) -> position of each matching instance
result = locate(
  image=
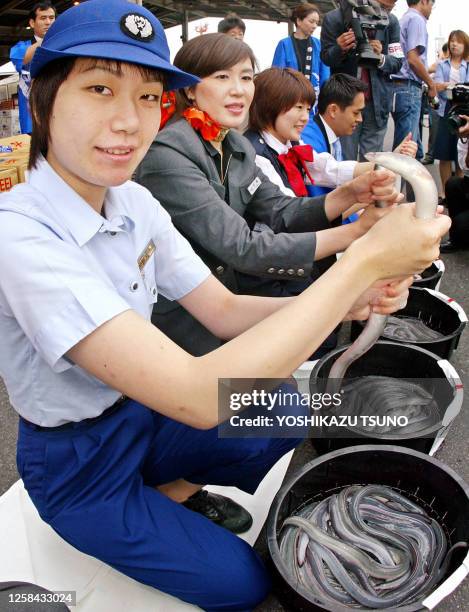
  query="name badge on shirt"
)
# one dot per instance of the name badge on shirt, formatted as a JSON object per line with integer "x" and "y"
{"x": 145, "y": 255}
{"x": 253, "y": 187}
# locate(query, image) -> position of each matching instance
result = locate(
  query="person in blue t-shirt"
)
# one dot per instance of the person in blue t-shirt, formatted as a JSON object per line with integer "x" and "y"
{"x": 301, "y": 51}
{"x": 407, "y": 83}
{"x": 340, "y": 106}
{"x": 41, "y": 17}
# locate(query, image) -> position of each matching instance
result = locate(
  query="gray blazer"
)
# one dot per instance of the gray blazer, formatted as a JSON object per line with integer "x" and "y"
{"x": 180, "y": 171}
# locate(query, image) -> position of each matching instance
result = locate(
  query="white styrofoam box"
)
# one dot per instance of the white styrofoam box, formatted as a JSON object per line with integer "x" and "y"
{"x": 12, "y": 89}
{"x": 31, "y": 551}
{"x": 6, "y": 131}
{"x": 9, "y": 121}
{"x": 10, "y": 113}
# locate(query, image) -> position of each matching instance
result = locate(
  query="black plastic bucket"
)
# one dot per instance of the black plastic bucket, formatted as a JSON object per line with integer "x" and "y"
{"x": 403, "y": 361}
{"x": 438, "y": 312}
{"x": 433, "y": 485}
{"x": 431, "y": 276}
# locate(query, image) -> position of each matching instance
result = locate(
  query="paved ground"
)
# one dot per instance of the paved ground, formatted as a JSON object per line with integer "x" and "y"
{"x": 455, "y": 451}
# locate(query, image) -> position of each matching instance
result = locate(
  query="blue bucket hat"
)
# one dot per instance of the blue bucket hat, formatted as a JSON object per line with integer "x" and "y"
{"x": 110, "y": 29}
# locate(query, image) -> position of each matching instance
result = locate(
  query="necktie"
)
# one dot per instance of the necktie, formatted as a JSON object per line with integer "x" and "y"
{"x": 294, "y": 163}
{"x": 365, "y": 77}
{"x": 337, "y": 151}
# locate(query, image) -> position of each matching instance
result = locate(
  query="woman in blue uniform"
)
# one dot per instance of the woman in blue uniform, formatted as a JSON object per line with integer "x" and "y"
{"x": 117, "y": 423}
{"x": 301, "y": 51}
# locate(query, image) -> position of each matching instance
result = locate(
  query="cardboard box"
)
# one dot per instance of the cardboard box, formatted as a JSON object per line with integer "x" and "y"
{"x": 22, "y": 173}
{"x": 14, "y": 144}
{"x": 21, "y": 153}
{"x": 12, "y": 160}
{"x": 17, "y": 163}
{"x": 8, "y": 178}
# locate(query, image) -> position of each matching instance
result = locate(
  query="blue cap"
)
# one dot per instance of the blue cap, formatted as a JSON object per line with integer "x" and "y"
{"x": 110, "y": 29}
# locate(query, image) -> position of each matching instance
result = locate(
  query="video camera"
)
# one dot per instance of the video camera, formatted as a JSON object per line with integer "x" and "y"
{"x": 364, "y": 17}
{"x": 459, "y": 97}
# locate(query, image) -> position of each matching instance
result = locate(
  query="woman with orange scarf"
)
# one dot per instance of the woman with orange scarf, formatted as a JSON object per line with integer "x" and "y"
{"x": 204, "y": 173}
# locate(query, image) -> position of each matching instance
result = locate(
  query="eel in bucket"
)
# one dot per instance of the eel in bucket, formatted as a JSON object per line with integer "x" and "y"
{"x": 365, "y": 546}
{"x": 326, "y": 546}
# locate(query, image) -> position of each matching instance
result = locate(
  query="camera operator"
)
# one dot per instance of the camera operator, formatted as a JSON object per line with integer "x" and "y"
{"x": 339, "y": 51}
{"x": 457, "y": 197}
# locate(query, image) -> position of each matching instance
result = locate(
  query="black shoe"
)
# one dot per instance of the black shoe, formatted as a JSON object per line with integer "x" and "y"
{"x": 221, "y": 510}
{"x": 448, "y": 247}
{"x": 427, "y": 161}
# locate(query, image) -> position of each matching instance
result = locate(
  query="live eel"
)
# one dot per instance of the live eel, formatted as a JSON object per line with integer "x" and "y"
{"x": 365, "y": 546}
{"x": 426, "y": 202}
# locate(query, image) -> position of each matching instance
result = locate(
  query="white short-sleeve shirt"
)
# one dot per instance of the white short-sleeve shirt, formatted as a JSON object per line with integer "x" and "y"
{"x": 64, "y": 271}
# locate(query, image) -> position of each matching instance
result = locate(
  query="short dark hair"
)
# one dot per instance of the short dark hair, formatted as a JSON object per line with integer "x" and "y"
{"x": 444, "y": 48}
{"x": 41, "y": 6}
{"x": 412, "y": 2}
{"x": 44, "y": 90}
{"x": 303, "y": 10}
{"x": 231, "y": 21}
{"x": 204, "y": 55}
{"x": 277, "y": 90}
{"x": 340, "y": 89}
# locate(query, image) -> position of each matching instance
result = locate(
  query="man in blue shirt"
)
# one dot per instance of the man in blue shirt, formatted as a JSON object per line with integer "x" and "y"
{"x": 41, "y": 17}
{"x": 407, "y": 97}
{"x": 340, "y": 106}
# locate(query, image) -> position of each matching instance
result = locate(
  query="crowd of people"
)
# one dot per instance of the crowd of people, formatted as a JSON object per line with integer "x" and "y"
{"x": 218, "y": 262}
{"x": 400, "y": 84}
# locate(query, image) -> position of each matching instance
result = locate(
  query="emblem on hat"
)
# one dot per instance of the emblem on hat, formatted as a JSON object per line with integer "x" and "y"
{"x": 137, "y": 26}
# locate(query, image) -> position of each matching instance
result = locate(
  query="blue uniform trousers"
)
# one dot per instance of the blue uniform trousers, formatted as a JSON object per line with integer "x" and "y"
{"x": 94, "y": 484}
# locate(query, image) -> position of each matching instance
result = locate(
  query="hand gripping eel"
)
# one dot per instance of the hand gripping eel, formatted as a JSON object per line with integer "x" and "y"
{"x": 426, "y": 202}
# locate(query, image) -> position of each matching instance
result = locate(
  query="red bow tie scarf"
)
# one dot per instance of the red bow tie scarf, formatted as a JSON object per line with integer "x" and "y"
{"x": 294, "y": 163}
{"x": 168, "y": 107}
